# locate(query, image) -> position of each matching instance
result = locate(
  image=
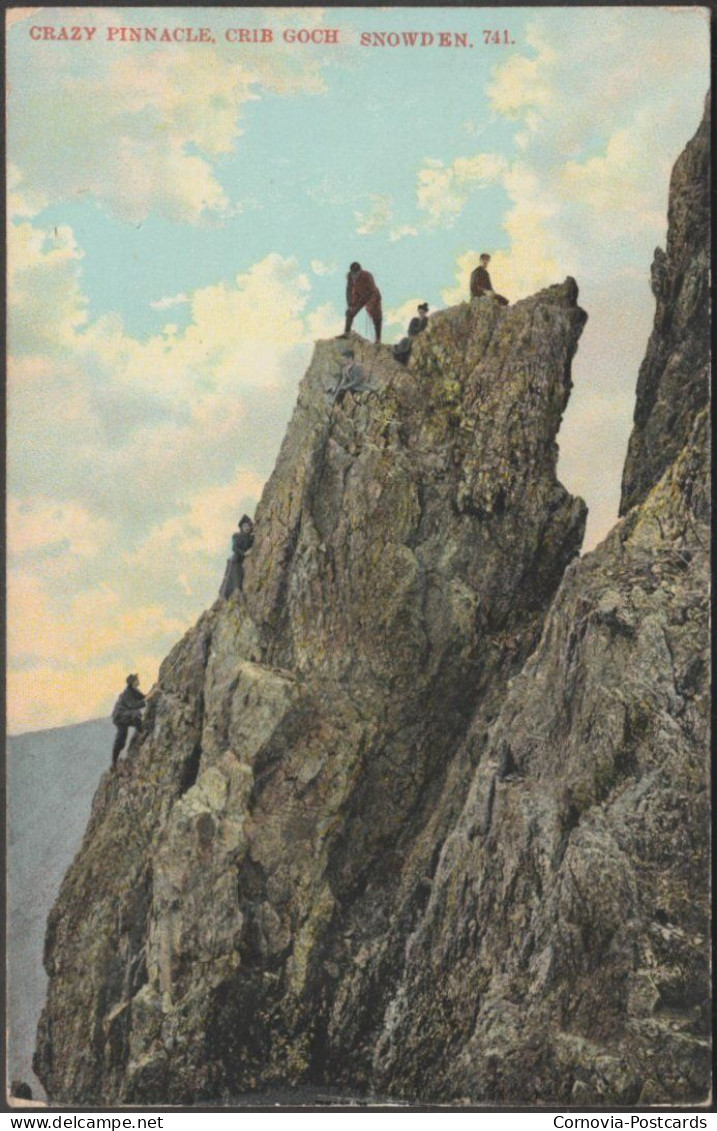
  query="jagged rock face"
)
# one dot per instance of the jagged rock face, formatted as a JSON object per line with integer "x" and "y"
{"x": 238, "y": 912}
{"x": 673, "y": 384}
{"x": 366, "y": 840}
{"x": 564, "y": 954}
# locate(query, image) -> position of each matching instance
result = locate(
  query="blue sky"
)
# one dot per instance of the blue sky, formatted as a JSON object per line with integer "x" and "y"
{"x": 181, "y": 220}
{"x": 298, "y": 203}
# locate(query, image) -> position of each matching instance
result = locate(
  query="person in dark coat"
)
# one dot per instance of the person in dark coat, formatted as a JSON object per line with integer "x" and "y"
{"x": 402, "y": 349}
{"x": 242, "y": 543}
{"x": 127, "y": 713}
{"x": 481, "y": 284}
{"x": 362, "y": 292}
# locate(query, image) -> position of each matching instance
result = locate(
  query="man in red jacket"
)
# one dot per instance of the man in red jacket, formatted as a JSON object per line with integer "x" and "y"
{"x": 361, "y": 291}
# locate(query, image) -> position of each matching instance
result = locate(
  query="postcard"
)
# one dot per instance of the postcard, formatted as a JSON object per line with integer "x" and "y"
{"x": 357, "y": 567}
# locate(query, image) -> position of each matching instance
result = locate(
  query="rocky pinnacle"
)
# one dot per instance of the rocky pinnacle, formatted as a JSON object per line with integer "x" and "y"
{"x": 422, "y": 812}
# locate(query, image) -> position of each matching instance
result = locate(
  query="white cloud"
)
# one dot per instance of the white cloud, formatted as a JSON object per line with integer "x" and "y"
{"x": 144, "y": 129}
{"x": 443, "y": 190}
{"x": 199, "y": 536}
{"x": 169, "y": 301}
{"x": 320, "y": 268}
{"x": 524, "y": 84}
{"x": 46, "y": 305}
{"x": 401, "y": 315}
{"x": 596, "y": 137}
{"x": 146, "y": 480}
{"x": 40, "y": 523}
{"x": 401, "y": 232}
{"x": 378, "y": 216}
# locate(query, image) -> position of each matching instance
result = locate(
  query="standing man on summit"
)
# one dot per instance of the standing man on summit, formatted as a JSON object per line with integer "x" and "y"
{"x": 361, "y": 291}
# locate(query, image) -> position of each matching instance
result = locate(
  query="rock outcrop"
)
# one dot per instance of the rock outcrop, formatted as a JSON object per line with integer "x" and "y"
{"x": 564, "y": 955}
{"x": 241, "y": 899}
{"x": 673, "y": 384}
{"x": 389, "y": 828}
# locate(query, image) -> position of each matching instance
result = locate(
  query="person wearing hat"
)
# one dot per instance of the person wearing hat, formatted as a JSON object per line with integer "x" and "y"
{"x": 127, "y": 713}
{"x": 242, "y": 543}
{"x": 481, "y": 284}
{"x": 419, "y": 322}
{"x": 362, "y": 293}
{"x": 402, "y": 349}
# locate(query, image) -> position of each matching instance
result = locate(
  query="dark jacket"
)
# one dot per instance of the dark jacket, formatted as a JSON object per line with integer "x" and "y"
{"x": 234, "y": 573}
{"x": 402, "y": 349}
{"x": 241, "y": 543}
{"x": 480, "y": 282}
{"x": 128, "y": 706}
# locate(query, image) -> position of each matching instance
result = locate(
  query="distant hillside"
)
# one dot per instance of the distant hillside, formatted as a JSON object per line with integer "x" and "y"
{"x": 52, "y": 777}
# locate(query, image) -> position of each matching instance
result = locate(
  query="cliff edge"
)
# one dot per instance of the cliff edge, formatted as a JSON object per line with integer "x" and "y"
{"x": 422, "y": 812}
{"x": 238, "y": 894}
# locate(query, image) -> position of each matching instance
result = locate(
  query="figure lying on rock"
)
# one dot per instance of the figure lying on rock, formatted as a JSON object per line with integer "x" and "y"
{"x": 351, "y": 379}
{"x": 402, "y": 349}
{"x": 481, "y": 284}
{"x": 242, "y": 543}
{"x": 127, "y": 713}
{"x": 362, "y": 292}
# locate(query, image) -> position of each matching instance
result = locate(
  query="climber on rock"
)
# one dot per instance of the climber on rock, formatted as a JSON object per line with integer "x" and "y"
{"x": 402, "y": 349}
{"x": 351, "y": 379}
{"x": 127, "y": 713}
{"x": 242, "y": 543}
{"x": 362, "y": 292}
{"x": 481, "y": 284}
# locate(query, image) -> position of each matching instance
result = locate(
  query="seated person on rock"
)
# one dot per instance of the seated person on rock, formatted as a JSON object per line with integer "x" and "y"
{"x": 402, "y": 349}
{"x": 481, "y": 284}
{"x": 351, "y": 379}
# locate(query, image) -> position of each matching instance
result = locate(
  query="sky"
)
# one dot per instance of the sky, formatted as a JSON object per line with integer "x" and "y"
{"x": 181, "y": 218}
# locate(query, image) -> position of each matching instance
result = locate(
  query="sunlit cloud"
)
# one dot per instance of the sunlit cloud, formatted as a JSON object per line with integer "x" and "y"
{"x": 145, "y": 129}
{"x": 148, "y": 481}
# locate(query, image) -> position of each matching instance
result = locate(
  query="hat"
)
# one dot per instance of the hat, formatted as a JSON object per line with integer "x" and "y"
{"x": 423, "y": 306}
{"x": 245, "y": 518}
{"x": 355, "y": 266}
{"x": 130, "y": 677}
{"x": 484, "y": 255}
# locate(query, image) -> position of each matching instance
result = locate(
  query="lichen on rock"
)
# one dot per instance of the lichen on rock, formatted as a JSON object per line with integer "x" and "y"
{"x": 305, "y": 734}
{"x": 421, "y": 812}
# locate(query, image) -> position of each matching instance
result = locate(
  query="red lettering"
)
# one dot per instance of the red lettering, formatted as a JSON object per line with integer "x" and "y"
{"x": 316, "y": 35}
{"x": 249, "y": 35}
